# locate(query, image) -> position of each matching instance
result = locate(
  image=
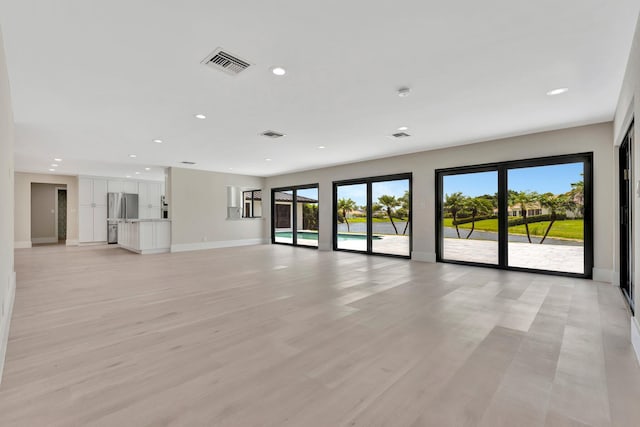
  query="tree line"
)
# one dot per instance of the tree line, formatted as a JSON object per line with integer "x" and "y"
{"x": 392, "y": 207}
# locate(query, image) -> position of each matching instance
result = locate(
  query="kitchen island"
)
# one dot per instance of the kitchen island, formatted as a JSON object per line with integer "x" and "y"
{"x": 145, "y": 236}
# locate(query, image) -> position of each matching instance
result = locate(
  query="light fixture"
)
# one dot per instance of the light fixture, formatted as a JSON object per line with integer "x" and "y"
{"x": 267, "y": 160}
{"x": 128, "y": 176}
{"x": 133, "y": 156}
{"x": 157, "y": 141}
{"x": 52, "y": 170}
{"x": 278, "y": 71}
{"x": 403, "y": 128}
{"x": 57, "y": 160}
{"x": 200, "y": 116}
{"x": 558, "y": 91}
{"x": 403, "y": 92}
{"x": 137, "y": 173}
{"x": 147, "y": 169}
{"x": 54, "y": 165}
{"x": 321, "y": 147}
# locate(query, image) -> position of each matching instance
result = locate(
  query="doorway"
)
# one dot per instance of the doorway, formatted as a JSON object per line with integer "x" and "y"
{"x": 625, "y": 179}
{"x": 295, "y": 215}
{"x": 61, "y": 215}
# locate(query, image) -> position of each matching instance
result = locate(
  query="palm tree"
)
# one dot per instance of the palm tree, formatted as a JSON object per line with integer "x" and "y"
{"x": 523, "y": 199}
{"x": 555, "y": 204}
{"x": 577, "y": 195}
{"x": 404, "y": 206}
{"x": 454, "y": 204}
{"x": 477, "y": 206}
{"x": 345, "y": 206}
{"x": 389, "y": 205}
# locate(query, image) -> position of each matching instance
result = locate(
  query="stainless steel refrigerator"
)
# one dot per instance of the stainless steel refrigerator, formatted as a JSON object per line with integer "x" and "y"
{"x": 120, "y": 206}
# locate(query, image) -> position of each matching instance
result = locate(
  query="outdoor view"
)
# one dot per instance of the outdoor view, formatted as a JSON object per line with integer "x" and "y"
{"x": 390, "y": 217}
{"x": 545, "y": 217}
{"x": 299, "y": 216}
{"x": 307, "y": 200}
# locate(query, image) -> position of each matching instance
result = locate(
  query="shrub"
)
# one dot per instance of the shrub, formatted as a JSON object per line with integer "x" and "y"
{"x": 535, "y": 218}
{"x": 478, "y": 218}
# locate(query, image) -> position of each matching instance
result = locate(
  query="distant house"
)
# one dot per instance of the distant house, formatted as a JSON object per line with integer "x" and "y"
{"x": 283, "y": 208}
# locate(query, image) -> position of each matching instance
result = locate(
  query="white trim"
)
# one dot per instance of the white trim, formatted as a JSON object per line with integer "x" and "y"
{"x": 423, "y": 256}
{"x": 71, "y": 242}
{"x": 36, "y": 240}
{"x": 635, "y": 337}
{"x": 146, "y": 251}
{"x": 21, "y": 245}
{"x": 5, "y": 323}
{"x": 184, "y": 247}
{"x": 602, "y": 275}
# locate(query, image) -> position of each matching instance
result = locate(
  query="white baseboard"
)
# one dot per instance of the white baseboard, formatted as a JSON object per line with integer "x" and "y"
{"x": 22, "y": 245}
{"x": 423, "y": 256}
{"x": 36, "y": 240}
{"x": 635, "y": 337}
{"x": 602, "y": 275}
{"x": 71, "y": 242}
{"x": 185, "y": 247}
{"x": 6, "y": 321}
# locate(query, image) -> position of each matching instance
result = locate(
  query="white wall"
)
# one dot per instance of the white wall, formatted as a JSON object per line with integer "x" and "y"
{"x": 628, "y": 109}
{"x": 44, "y": 198}
{"x": 198, "y": 210}
{"x": 594, "y": 138}
{"x": 22, "y": 226}
{"x": 7, "y": 275}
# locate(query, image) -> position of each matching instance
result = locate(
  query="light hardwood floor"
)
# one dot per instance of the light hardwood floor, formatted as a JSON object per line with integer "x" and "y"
{"x": 279, "y": 336}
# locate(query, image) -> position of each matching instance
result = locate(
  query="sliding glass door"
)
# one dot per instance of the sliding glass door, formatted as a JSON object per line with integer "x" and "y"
{"x": 531, "y": 215}
{"x": 294, "y": 213}
{"x": 372, "y": 215}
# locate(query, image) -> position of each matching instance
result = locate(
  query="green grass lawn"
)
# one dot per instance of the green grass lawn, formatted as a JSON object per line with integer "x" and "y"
{"x": 565, "y": 229}
{"x": 364, "y": 219}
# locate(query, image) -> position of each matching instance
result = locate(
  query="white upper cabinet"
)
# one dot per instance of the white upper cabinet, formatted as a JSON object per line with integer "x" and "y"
{"x": 116, "y": 186}
{"x": 131, "y": 187}
{"x": 92, "y": 192}
{"x": 149, "y": 201}
{"x": 92, "y": 213}
{"x": 100, "y": 192}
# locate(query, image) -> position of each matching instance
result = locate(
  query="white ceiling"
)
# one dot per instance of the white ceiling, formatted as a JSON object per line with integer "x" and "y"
{"x": 93, "y": 81}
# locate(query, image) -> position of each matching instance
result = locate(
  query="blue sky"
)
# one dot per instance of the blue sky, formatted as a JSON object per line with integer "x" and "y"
{"x": 554, "y": 179}
{"x": 358, "y": 192}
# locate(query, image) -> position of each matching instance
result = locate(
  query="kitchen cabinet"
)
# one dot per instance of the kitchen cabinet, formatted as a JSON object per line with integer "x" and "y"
{"x": 92, "y": 210}
{"x": 131, "y": 187}
{"x": 149, "y": 199}
{"x": 145, "y": 236}
{"x": 116, "y": 186}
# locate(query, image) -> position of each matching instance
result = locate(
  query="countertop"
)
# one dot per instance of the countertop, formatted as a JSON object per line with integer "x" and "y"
{"x": 139, "y": 220}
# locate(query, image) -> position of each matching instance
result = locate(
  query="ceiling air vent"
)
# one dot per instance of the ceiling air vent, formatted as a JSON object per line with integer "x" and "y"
{"x": 225, "y": 61}
{"x": 188, "y": 163}
{"x": 272, "y": 134}
{"x": 400, "y": 135}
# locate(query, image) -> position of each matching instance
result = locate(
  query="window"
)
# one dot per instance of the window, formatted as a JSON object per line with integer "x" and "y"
{"x": 531, "y": 215}
{"x": 252, "y": 204}
{"x": 295, "y": 215}
{"x": 373, "y": 215}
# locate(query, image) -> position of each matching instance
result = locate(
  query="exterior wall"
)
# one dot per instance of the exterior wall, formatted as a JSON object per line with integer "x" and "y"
{"x": 593, "y": 138}
{"x": 22, "y": 227}
{"x": 198, "y": 211}
{"x": 7, "y": 275}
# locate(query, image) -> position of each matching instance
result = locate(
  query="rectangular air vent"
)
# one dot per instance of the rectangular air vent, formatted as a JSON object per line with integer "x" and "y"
{"x": 272, "y": 134}
{"x": 188, "y": 163}
{"x": 225, "y": 61}
{"x": 400, "y": 135}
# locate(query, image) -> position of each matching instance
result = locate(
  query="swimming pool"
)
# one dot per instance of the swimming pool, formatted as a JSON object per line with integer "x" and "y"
{"x": 314, "y": 236}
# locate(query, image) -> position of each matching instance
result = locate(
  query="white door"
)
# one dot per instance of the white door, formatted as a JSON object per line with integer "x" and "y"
{"x": 85, "y": 223}
{"x": 85, "y": 192}
{"x": 100, "y": 192}
{"x": 100, "y": 224}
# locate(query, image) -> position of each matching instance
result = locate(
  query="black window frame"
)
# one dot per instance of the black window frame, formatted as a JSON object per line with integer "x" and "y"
{"x": 294, "y": 219}
{"x": 502, "y": 169}
{"x": 369, "y": 181}
{"x": 253, "y": 200}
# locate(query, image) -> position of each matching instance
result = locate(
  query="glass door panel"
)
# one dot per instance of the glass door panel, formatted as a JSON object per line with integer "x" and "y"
{"x": 307, "y": 216}
{"x": 352, "y": 217}
{"x": 283, "y": 216}
{"x": 469, "y": 217}
{"x": 390, "y": 217}
{"x": 546, "y": 227}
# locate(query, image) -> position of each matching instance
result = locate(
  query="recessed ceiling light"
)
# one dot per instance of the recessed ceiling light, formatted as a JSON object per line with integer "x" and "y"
{"x": 52, "y": 170}
{"x": 133, "y": 156}
{"x": 230, "y": 169}
{"x": 321, "y": 147}
{"x": 403, "y": 128}
{"x": 558, "y": 91}
{"x": 278, "y": 71}
{"x": 128, "y": 176}
{"x": 267, "y": 160}
{"x": 147, "y": 169}
{"x": 200, "y": 116}
{"x": 57, "y": 160}
{"x": 54, "y": 165}
{"x": 403, "y": 92}
{"x": 157, "y": 141}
